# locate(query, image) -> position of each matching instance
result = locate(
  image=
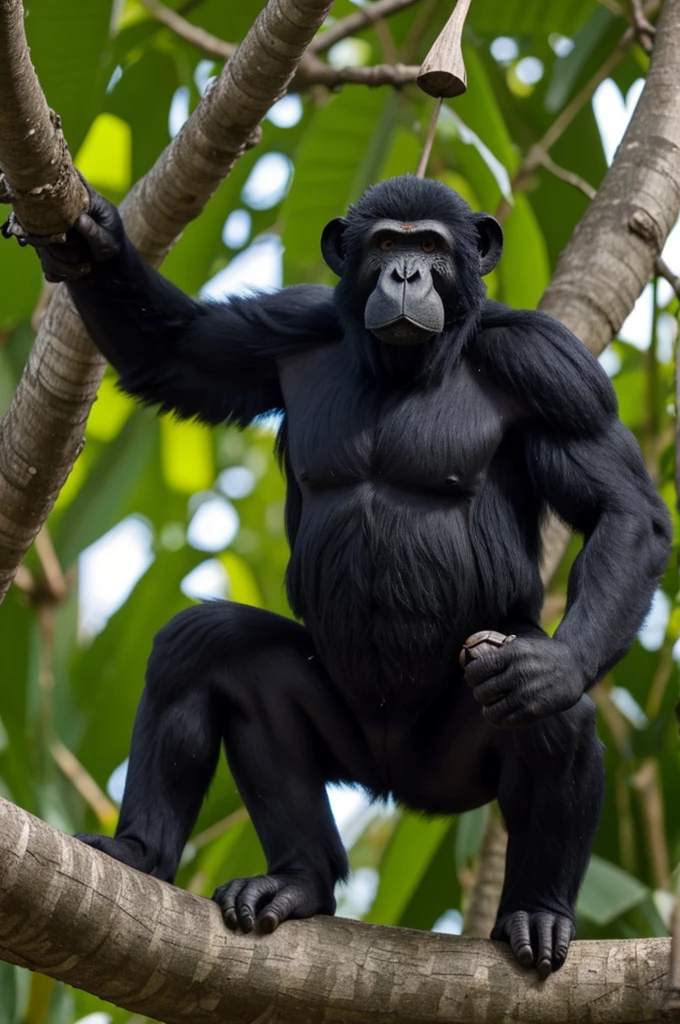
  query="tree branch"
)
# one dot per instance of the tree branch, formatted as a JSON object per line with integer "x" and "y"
{"x": 41, "y": 434}
{"x": 353, "y": 23}
{"x": 39, "y": 178}
{"x": 311, "y": 71}
{"x": 206, "y": 42}
{"x": 78, "y": 916}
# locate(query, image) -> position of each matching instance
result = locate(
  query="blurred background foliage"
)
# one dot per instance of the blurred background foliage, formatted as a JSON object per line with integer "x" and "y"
{"x": 158, "y": 513}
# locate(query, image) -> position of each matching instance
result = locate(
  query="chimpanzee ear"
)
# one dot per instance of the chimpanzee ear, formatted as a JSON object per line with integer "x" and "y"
{"x": 332, "y": 247}
{"x": 489, "y": 241}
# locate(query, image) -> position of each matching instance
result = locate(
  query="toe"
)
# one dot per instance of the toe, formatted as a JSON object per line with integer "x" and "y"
{"x": 520, "y": 937}
{"x": 279, "y": 909}
{"x": 544, "y": 939}
{"x": 563, "y": 934}
{"x": 225, "y": 897}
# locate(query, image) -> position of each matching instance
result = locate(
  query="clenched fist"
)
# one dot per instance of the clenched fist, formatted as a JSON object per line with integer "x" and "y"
{"x": 523, "y": 681}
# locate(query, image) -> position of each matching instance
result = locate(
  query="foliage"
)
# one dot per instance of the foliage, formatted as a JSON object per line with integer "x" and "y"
{"x": 82, "y": 692}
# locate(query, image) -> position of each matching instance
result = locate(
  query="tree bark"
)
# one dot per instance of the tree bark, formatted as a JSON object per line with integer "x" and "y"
{"x": 39, "y": 178}
{"x": 78, "y": 916}
{"x": 41, "y": 434}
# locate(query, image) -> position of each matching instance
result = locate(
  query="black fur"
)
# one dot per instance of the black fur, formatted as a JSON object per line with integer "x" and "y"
{"x": 418, "y": 479}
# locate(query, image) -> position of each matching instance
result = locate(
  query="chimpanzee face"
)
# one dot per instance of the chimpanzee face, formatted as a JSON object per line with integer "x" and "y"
{"x": 408, "y": 274}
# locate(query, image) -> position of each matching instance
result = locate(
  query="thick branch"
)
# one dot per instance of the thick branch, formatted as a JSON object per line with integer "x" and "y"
{"x": 78, "y": 916}
{"x": 41, "y": 434}
{"x": 39, "y": 178}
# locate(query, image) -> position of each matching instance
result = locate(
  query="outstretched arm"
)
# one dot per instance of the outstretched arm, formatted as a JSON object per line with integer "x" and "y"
{"x": 216, "y": 361}
{"x": 587, "y": 466}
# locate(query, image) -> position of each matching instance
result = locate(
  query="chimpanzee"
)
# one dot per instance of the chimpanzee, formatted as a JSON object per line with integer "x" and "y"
{"x": 426, "y": 432}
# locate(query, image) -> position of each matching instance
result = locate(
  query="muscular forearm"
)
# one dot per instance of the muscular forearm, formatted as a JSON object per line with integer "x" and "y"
{"x": 132, "y": 313}
{"x": 611, "y": 586}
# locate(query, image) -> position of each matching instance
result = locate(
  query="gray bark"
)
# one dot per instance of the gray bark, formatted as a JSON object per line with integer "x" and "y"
{"x": 81, "y": 917}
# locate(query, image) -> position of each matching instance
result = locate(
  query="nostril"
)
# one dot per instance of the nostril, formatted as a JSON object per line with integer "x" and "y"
{"x": 397, "y": 274}
{"x": 413, "y": 275}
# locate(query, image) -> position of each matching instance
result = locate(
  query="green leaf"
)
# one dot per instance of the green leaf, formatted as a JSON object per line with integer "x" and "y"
{"x": 100, "y": 502}
{"x": 524, "y": 269}
{"x": 410, "y": 852}
{"x": 340, "y": 154}
{"x": 69, "y": 42}
{"x": 608, "y": 891}
{"x": 528, "y": 17}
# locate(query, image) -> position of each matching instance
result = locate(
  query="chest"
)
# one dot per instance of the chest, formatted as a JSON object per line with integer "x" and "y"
{"x": 344, "y": 428}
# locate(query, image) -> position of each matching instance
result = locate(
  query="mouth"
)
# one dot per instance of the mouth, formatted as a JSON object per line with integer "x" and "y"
{"x": 403, "y": 331}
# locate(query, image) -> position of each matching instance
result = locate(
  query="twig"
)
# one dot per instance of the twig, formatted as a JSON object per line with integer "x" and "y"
{"x": 663, "y": 270}
{"x": 429, "y": 140}
{"x": 54, "y": 577}
{"x": 488, "y": 880}
{"x": 569, "y": 176}
{"x": 83, "y": 782}
{"x": 219, "y": 828}
{"x": 354, "y": 23}
{"x": 647, "y": 783}
{"x": 209, "y": 44}
{"x": 311, "y": 71}
{"x": 318, "y": 73}
{"x": 537, "y": 153}
{"x": 644, "y": 30}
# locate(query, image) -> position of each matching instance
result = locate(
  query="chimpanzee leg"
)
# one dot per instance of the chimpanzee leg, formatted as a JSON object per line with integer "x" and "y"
{"x": 223, "y": 670}
{"x": 550, "y": 793}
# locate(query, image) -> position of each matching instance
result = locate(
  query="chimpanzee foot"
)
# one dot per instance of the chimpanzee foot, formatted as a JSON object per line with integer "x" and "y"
{"x": 265, "y": 901}
{"x": 128, "y": 851}
{"x": 540, "y": 938}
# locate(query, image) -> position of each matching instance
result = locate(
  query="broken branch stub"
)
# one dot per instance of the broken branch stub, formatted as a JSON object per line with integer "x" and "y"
{"x": 442, "y": 74}
{"x": 38, "y": 175}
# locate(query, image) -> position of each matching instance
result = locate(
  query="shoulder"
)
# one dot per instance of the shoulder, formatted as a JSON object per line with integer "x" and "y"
{"x": 292, "y": 319}
{"x": 539, "y": 361}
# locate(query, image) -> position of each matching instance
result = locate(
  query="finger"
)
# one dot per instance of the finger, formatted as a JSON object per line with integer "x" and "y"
{"x": 226, "y": 897}
{"x": 564, "y": 933}
{"x": 506, "y": 714}
{"x": 278, "y": 910}
{"x": 520, "y": 938}
{"x": 102, "y": 245}
{"x": 544, "y": 936}
{"x": 491, "y": 690}
{"x": 489, "y": 664}
{"x": 248, "y": 900}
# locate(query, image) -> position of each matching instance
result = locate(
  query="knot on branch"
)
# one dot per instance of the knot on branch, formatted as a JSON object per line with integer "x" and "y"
{"x": 642, "y": 224}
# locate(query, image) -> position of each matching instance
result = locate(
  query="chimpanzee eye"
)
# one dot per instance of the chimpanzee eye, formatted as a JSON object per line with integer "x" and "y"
{"x": 429, "y": 243}
{"x": 386, "y": 244}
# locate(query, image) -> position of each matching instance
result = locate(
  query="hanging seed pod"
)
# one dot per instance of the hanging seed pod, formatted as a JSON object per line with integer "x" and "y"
{"x": 442, "y": 74}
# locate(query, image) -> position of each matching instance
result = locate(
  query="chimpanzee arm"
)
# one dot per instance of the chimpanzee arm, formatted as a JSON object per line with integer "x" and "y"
{"x": 600, "y": 486}
{"x": 587, "y": 466}
{"x": 215, "y": 361}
